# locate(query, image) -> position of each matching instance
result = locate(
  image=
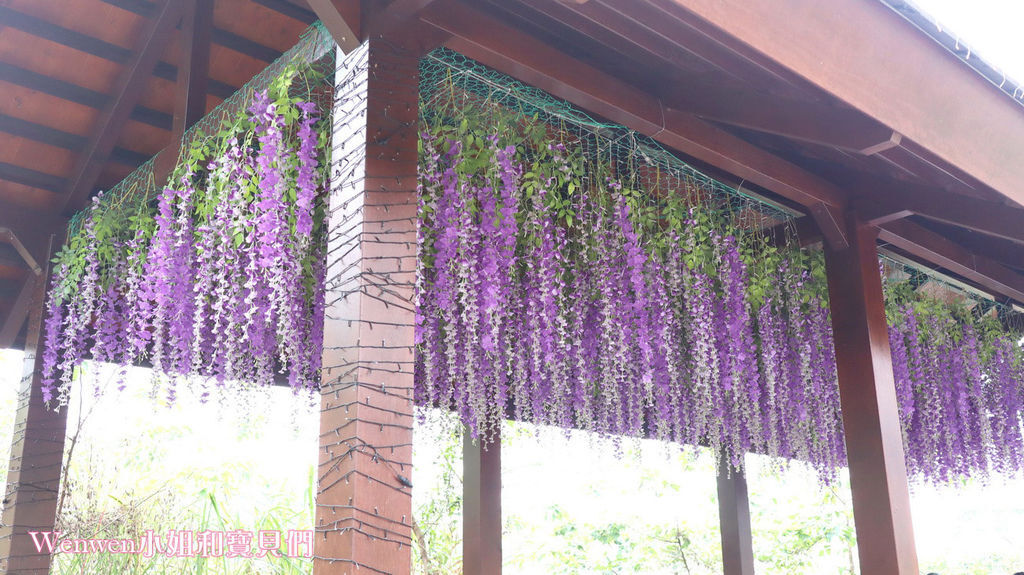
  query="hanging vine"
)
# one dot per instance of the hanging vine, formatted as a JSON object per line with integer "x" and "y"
{"x": 565, "y": 288}
{"x": 221, "y": 277}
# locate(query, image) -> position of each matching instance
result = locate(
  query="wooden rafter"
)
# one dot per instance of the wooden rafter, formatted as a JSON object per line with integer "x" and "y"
{"x": 939, "y": 250}
{"x": 192, "y": 81}
{"x": 77, "y": 94}
{"x": 733, "y": 58}
{"x": 219, "y": 36}
{"x": 883, "y": 202}
{"x": 18, "y": 313}
{"x": 32, "y": 178}
{"x": 804, "y": 121}
{"x": 728, "y": 100}
{"x": 396, "y": 14}
{"x": 500, "y": 46}
{"x": 903, "y": 79}
{"x": 193, "y": 76}
{"x": 127, "y": 93}
{"x": 94, "y": 46}
{"x": 989, "y": 274}
{"x": 342, "y": 21}
{"x": 61, "y": 139}
{"x": 292, "y": 8}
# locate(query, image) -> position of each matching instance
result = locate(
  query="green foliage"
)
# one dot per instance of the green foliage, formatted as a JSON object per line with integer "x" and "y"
{"x": 437, "y": 504}
{"x": 118, "y": 219}
{"x": 575, "y": 168}
{"x": 134, "y": 466}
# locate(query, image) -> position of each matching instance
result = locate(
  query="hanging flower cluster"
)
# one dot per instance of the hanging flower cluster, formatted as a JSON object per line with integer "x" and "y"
{"x": 959, "y": 389}
{"x": 222, "y": 281}
{"x": 585, "y": 310}
{"x": 551, "y": 291}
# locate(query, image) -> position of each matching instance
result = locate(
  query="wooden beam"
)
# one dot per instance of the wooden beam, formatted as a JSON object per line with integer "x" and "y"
{"x": 77, "y": 94}
{"x": 734, "y": 519}
{"x": 496, "y": 44}
{"x": 193, "y": 78}
{"x": 481, "y": 507}
{"x": 395, "y": 15}
{"x": 831, "y": 224}
{"x": 887, "y": 201}
{"x": 363, "y": 517}
{"x": 127, "y": 93}
{"x": 95, "y": 46}
{"x": 61, "y": 139}
{"x": 1008, "y": 253}
{"x": 32, "y": 228}
{"x": 37, "y": 454}
{"x": 867, "y": 56}
{"x": 19, "y": 311}
{"x": 32, "y": 178}
{"x": 939, "y": 250}
{"x": 342, "y": 21}
{"x": 220, "y": 36}
{"x": 9, "y": 236}
{"x": 592, "y": 20}
{"x": 296, "y": 10}
{"x": 833, "y": 126}
{"x": 871, "y": 425}
{"x": 734, "y": 58}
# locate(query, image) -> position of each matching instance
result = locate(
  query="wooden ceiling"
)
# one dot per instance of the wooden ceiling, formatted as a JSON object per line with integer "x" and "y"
{"x": 93, "y": 88}
{"x": 89, "y": 94}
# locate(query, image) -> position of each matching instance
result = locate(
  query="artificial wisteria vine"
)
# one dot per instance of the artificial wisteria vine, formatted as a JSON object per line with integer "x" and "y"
{"x": 223, "y": 280}
{"x": 554, "y": 286}
{"x": 553, "y": 292}
{"x": 958, "y": 385}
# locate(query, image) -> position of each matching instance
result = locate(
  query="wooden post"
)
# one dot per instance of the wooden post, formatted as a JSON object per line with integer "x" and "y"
{"x": 191, "y": 84}
{"x": 734, "y": 519}
{"x": 874, "y": 441}
{"x": 363, "y": 502}
{"x": 481, "y": 507}
{"x": 37, "y": 454}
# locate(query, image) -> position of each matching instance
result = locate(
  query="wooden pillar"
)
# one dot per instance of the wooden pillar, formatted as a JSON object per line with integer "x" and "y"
{"x": 734, "y": 519}
{"x": 37, "y": 455}
{"x": 191, "y": 83}
{"x": 193, "y": 70}
{"x": 874, "y": 442}
{"x": 481, "y": 507}
{"x": 363, "y": 503}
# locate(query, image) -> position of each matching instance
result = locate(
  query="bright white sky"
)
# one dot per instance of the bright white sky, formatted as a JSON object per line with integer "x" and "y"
{"x": 992, "y": 28}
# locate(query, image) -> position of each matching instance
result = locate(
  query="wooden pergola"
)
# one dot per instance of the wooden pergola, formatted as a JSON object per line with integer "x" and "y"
{"x": 846, "y": 111}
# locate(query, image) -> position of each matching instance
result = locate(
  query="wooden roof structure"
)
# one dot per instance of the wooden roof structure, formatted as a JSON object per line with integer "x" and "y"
{"x": 92, "y": 89}
{"x": 846, "y": 107}
{"x": 843, "y": 111}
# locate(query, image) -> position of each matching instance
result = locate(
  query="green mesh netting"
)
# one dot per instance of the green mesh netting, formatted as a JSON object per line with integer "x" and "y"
{"x": 451, "y": 83}
{"x": 314, "y": 53}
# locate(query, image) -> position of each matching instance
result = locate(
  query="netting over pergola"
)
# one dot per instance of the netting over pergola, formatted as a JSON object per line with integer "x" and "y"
{"x": 572, "y": 272}
{"x": 312, "y": 56}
